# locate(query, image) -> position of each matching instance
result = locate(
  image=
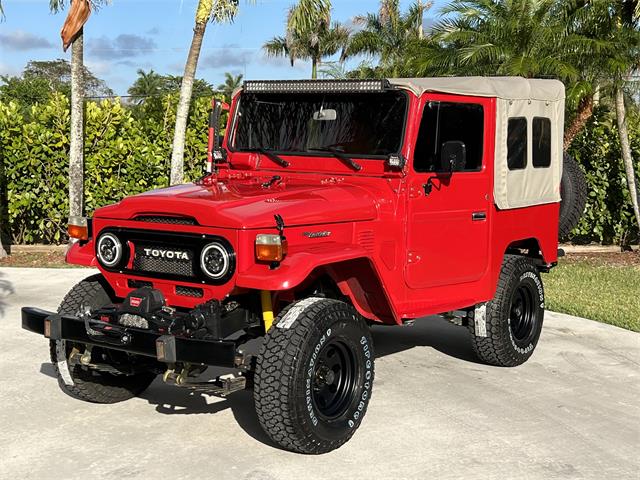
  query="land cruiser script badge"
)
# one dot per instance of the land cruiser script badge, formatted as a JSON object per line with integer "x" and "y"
{"x": 168, "y": 254}
{"x": 316, "y": 234}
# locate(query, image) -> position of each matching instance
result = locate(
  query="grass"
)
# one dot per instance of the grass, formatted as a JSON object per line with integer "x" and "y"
{"x": 597, "y": 288}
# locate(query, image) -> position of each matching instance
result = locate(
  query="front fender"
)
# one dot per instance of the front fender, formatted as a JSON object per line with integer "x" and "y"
{"x": 82, "y": 253}
{"x": 297, "y": 266}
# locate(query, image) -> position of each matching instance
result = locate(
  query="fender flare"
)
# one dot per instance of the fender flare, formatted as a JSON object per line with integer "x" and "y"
{"x": 338, "y": 261}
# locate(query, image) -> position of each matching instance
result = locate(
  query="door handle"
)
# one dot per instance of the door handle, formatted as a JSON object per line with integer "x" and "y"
{"x": 478, "y": 216}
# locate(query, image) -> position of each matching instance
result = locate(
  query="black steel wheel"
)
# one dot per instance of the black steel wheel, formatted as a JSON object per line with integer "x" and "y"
{"x": 314, "y": 376}
{"x": 334, "y": 379}
{"x": 513, "y": 320}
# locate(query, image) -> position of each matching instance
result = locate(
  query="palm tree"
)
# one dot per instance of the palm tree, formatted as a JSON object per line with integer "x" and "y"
{"x": 148, "y": 84}
{"x": 310, "y": 35}
{"x": 231, "y": 82}
{"x": 76, "y": 138}
{"x": 206, "y": 11}
{"x": 518, "y": 37}
{"x": 624, "y": 20}
{"x": 388, "y": 34}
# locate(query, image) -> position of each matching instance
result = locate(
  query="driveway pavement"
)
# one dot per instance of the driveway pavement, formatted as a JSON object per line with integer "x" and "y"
{"x": 571, "y": 412}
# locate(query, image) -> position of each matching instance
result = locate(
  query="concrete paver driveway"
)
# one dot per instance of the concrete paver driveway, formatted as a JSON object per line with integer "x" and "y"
{"x": 572, "y": 411}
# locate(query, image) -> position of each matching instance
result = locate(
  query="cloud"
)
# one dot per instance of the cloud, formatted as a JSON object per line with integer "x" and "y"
{"x": 230, "y": 55}
{"x": 99, "y": 67}
{"x": 22, "y": 41}
{"x": 125, "y": 45}
{"x": 9, "y": 70}
{"x": 284, "y": 62}
{"x": 134, "y": 64}
{"x": 153, "y": 31}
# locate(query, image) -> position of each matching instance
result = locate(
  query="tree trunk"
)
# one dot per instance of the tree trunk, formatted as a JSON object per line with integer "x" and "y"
{"x": 182, "y": 114}
{"x": 584, "y": 113}
{"x": 314, "y": 68}
{"x": 625, "y": 147}
{"x": 76, "y": 148}
{"x": 420, "y": 20}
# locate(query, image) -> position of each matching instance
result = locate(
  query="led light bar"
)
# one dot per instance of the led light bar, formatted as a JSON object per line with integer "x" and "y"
{"x": 314, "y": 86}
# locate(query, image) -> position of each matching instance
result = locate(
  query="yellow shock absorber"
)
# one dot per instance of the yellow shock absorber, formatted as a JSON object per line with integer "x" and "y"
{"x": 267, "y": 309}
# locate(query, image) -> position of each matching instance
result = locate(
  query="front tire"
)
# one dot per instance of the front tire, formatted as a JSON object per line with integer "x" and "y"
{"x": 314, "y": 376}
{"x": 80, "y": 382}
{"x": 513, "y": 317}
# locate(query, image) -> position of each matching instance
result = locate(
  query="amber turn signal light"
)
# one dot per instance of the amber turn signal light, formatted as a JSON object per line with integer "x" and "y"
{"x": 78, "y": 228}
{"x": 270, "y": 248}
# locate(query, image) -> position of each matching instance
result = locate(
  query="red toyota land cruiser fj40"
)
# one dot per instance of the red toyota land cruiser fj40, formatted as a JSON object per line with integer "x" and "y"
{"x": 330, "y": 205}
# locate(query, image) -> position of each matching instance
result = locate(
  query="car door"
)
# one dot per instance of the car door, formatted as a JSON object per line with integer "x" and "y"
{"x": 448, "y": 210}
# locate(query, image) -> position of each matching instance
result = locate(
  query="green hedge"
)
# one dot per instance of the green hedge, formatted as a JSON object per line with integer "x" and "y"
{"x": 127, "y": 151}
{"x": 123, "y": 156}
{"x": 608, "y": 216}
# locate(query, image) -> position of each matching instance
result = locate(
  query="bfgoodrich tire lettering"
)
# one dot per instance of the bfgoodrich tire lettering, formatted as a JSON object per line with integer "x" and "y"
{"x": 314, "y": 378}
{"x": 514, "y": 316}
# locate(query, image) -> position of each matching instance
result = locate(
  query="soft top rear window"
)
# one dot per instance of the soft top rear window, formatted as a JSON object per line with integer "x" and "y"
{"x": 363, "y": 124}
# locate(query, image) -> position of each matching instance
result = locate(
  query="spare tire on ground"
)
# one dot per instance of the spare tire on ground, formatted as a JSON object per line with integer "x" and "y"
{"x": 573, "y": 191}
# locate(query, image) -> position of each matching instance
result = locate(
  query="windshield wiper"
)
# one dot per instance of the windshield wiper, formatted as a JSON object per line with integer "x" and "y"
{"x": 340, "y": 155}
{"x": 279, "y": 160}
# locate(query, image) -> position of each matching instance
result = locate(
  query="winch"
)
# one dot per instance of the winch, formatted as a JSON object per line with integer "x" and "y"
{"x": 145, "y": 309}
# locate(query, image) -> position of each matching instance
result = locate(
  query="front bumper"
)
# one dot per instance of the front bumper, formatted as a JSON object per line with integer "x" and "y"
{"x": 164, "y": 348}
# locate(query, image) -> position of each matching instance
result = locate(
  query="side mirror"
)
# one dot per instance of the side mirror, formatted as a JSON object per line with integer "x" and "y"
{"x": 453, "y": 156}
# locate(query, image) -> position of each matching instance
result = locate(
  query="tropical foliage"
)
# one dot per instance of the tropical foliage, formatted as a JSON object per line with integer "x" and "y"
{"x": 123, "y": 156}
{"x": 310, "y": 35}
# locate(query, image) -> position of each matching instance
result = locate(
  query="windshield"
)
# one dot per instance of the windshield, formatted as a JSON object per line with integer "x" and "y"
{"x": 363, "y": 124}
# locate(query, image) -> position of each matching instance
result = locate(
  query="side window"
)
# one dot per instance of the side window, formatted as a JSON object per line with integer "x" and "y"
{"x": 541, "y": 142}
{"x": 517, "y": 143}
{"x": 445, "y": 122}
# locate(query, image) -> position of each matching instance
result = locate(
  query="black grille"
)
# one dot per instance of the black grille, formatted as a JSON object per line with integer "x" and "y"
{"x": 150, "y": 258}
{"x": 189, "y": 291}
{"x": 166, "y": 219}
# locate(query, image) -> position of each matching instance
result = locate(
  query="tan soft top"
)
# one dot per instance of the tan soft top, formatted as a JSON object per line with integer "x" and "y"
{"x": 508, "y": 88}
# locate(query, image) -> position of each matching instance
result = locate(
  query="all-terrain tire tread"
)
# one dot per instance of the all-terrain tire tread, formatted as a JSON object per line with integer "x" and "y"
{"x": 494, "y": 348}
{"x": 90, "y": 387}
{"x": 273, "y": 374}
{"x": 574, "y": 198}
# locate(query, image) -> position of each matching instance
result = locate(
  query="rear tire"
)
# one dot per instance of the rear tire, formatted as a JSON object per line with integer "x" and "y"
{"x": 573, "y": 191}
{"x": 513, "y": 317}
{"x": 78, "y": 381}
{"x": 314, "y": 376}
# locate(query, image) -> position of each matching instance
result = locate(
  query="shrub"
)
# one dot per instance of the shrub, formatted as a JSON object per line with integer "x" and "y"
{"x": 128, "y": 150}
{"x": 124, "y": 155}
{"x": 608, "y": 216}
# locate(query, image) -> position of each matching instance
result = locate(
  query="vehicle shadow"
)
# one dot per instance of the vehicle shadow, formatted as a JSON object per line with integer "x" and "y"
{"x": 171, "y": 400}
{"x": 6, "y": 289}
{"x": 434, "y": 332}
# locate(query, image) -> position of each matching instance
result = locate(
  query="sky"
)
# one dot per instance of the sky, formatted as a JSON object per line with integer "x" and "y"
{"x": 128, "y": 35}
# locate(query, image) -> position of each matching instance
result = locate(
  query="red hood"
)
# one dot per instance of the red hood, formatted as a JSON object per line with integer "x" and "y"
{"x": 246, "y": 204}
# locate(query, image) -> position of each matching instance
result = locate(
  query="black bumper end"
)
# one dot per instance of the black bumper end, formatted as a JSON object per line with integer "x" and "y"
{"x": 164, "y": 348}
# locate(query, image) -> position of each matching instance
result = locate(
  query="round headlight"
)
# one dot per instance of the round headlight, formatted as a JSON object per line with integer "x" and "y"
{"x": 214, "y": 261}
{"x": 109, "y": 250}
